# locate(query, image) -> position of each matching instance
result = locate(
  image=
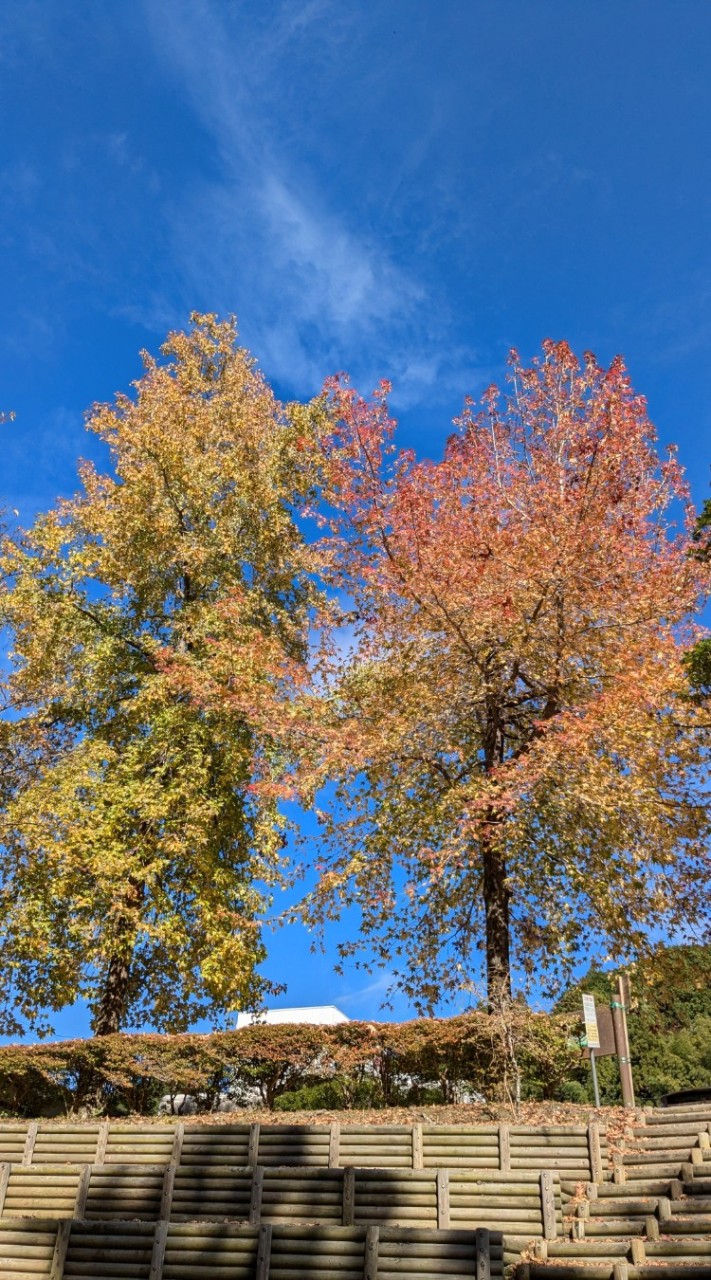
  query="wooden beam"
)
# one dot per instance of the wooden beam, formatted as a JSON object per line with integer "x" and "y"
{"x": 178, "y": 1136}
{"x": 158, "y": 1255}
{"x": 504, "y": 1148}
{"x": 550, "y": 1226}
{"x": 255, "y": 1203}
{"x": 61, "y": 1244}
{"x": 334, "y": 1145}
{"x": 102, "y": 1141}
{"x": 348, "y": 1197}
{"x": 253, "y": 1154}
{"x": 370, "y": 1263}
{"x": 5, "y": 1170}
{"x": 166, "y": 1199}
{"x": 443, "y": 1199}
{"x": 483, "y": 1254}
{"x": 82, "y": 1193}
{"x": 30, "y": 1142}
{"x": 264, "y": 1252}
{"x": 594, "y": 1153}
{"x": 417, "y": 1147}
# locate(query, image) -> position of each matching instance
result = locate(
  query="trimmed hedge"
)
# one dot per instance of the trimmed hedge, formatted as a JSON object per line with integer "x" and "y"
{"x": 390, "y": 1063}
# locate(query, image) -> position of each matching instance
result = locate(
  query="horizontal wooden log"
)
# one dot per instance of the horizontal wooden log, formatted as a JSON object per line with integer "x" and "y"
{"x": 198, "y": 1152}
{"x": 487, "y": 1130}
{"x": 313, "y": 1197}
{"x": 454, "y": 1137}
{"x": 388, "y": 1130}
{"x": 294, "y": 1179}
{"x": 292, "y": 1154}
{"x": 519, "y": 1161}
{"x": 96, "y": 1251}
{"x": 296, "y": 1130}
{"x": 375, "y": 1196}
{"x": 196, "y": 1243}
{"x": 668, "y": 1154}
{"x": 678, "y": 1140}
{"x": 354, "y": 1153}
{"x": 569, "y": 1271}
{"x": 284, "y": 1268}
{"x": 222, "y": 1160}
{"x": 31, "y": 1178}
{"x": 465, "y": 1148}
{"x": 678, "y": 1248}
{"x": 646, "y": 1172}
{"x": 396, "y": 1177}
{"x": 528, "y": 1217}
{"x": 138, "y": 1129}
{"x": 211, "y": 1230}
{"x": 49, "y": 1204}
{"x": 359, "y": 1160}
{"x": 532, "y": 1138}
{"x": 145, "y": 1195}
{"x": 394, "y": 1214}
{"x": 565, "y": 1130}
{"x": 465, "y": 1198}
{"x": 412, "y": 1265}
{"x": 523, "y": 1182}
{"x": 200, "y": 1132}
{"x": 38, "y": 1227}
{"x": 114, "y": 1232}
{"x": 199, "y": 1271}
{"x": 582, "y": 1249}
{"x": 189, "y": 1186}
{"x": 314, "y": 1246}
{"x": 460, "y": 1160}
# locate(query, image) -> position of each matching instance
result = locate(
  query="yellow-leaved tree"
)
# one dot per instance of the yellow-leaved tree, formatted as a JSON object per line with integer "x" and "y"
{"x": 140, "y": 826}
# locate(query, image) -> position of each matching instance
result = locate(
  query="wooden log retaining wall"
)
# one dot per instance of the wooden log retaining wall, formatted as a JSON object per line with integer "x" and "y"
{"x": 576, "y": 1151}
{"x": 526, "y": 1203}
{"x": 201, "y": 1250}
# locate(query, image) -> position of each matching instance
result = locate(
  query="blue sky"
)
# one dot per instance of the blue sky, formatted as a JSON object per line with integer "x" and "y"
{"x": 399, "y": 188}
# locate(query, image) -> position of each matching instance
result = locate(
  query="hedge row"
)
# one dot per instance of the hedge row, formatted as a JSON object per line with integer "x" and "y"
{"x": 352, "y": 1064}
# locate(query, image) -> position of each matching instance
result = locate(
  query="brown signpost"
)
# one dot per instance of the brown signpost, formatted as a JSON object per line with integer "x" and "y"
{"x": 619, "y": 1018}
{"x": 606, "y": 1028}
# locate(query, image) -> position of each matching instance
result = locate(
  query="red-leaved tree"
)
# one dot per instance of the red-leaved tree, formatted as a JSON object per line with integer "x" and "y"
{"x": 517, "y": 765}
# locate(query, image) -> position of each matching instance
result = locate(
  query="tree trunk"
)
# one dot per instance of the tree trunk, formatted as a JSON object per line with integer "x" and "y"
{"x": 114, "y": 1000}
{"x": 497, "y": 899}
{"x": 113, "y": 1004}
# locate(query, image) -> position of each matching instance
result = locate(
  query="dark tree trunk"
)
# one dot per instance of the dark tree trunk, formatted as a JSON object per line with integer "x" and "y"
{"x": 497, "y": 898}
{"x": 115, "y": 995}
{"x": 113, "y": 1004}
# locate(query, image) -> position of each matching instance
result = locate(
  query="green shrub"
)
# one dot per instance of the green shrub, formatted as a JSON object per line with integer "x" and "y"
{"x": 350, "y": 1065}
{"x": 574, "y": 1091}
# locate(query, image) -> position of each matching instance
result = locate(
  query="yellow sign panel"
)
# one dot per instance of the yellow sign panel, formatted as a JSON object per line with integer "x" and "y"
{"x": 591, "y": 1028}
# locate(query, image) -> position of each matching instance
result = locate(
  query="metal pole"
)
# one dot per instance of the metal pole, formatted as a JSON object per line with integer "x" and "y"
{"x": 619, "y": 1022}
{"x": 593, "y": 1068}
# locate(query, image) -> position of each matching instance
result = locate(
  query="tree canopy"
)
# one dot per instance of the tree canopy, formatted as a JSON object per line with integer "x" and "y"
{"x": 140, "y": 825}
{"x": 484, "y": 669}
{"x": 518, "y": 768}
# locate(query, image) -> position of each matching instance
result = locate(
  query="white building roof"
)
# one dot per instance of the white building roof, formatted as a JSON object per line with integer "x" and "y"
{"x": 316, "y": 1014}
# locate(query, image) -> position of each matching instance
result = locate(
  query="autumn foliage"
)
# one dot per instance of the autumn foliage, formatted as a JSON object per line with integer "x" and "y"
{"x": 398, "y": 1061}
{"x": 518, "y": 765}
{"x": 140, "y": 828}
{"x": 472, "y": 668}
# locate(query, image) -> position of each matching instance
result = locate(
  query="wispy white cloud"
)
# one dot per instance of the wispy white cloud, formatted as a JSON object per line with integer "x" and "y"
{"x": 315, "y": 290}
